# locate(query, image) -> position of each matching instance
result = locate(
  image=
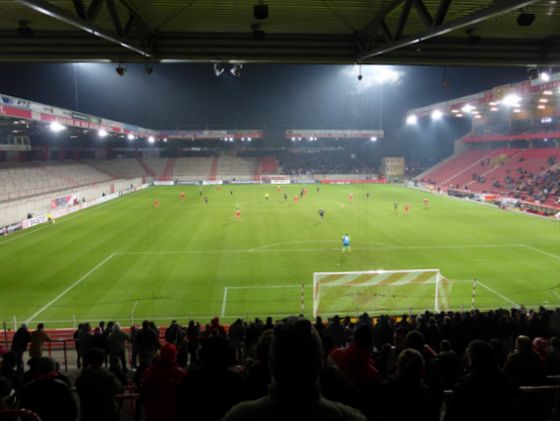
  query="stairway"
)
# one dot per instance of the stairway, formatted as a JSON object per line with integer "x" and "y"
{"x": 168, "y": 169}
{"x": 149, "y": 171}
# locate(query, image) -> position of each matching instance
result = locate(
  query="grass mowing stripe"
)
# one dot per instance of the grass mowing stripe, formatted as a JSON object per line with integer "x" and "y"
{"x": 68, "y": 289}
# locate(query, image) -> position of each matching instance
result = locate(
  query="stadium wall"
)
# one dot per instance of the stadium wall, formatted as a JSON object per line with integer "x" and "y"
{"x": 16, "y": 211}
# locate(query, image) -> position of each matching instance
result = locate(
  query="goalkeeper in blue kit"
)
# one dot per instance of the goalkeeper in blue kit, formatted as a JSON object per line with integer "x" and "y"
{"x": 346, "y": 243}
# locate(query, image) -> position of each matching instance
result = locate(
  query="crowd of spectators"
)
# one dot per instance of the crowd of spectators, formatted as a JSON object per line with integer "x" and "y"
{"x": 323, "y": 162}
{"x": 539, "y": 188}
{"x": 390, "y": 368}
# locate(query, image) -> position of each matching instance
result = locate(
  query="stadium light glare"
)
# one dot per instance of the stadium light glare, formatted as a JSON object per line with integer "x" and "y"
{"x": 151, "y": 139}
{"x": 468, "y": 108}
{"x": 437, "y": 115}
{"x": 454, "y": 111}
{"x": 511, "y": 100}
{"x": 411, "y": 120}
{"x": 547, "y": 93}
{"x": 249, "y": 139}
{"x": 494, "y": 109}
{"x": 165, "y": 140}
{"x": 102, "y": 133}
{"x": 543, "y": 100}
{"x": 373, "y": 138}
{"x": 130, "y": 136}
{"x": 293, "y": 139}
{"x": 478, "y": 116}
{"x": 459, "y": 115}
{"x": 541, "y": 106}
{"x": 544, "y": 76}
{"x": 516, "y": 110}
{"x": 56, "y": 127}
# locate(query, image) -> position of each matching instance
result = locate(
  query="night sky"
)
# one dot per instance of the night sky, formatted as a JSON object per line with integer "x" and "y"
{"x": 274, "y": 96}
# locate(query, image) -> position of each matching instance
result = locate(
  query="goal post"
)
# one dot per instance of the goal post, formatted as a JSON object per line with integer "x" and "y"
{"x": 374, "y": 291}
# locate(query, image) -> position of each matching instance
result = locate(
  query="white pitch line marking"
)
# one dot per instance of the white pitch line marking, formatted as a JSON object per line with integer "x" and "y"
{"x": 540, "y": 251}
{"x": 503, "y": 297}
{"x": 68, "y": 289}
{"x": 224, "y": 301}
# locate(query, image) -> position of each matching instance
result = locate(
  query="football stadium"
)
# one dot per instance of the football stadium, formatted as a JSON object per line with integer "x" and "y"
{"x": 220, "y": 210}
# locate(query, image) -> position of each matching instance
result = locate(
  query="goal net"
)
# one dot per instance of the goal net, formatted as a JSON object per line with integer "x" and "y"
{"x": 388, "y": 291}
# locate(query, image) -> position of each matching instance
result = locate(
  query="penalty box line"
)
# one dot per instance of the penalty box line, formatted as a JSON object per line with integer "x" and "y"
{"x": 71, "y": 287}
{"x": 226, "y": 290}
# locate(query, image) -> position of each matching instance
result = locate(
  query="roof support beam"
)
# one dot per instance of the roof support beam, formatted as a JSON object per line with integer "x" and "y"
{"x": 442, "y": 12}
{"x": 88, "y": 26}
{"x": 499, "y": 7}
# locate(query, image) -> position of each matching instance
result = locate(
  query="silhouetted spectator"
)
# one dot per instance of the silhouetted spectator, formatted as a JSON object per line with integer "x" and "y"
{"x": 356, "y": 361}
{"x": 258, "y": 374}
{"x": 86, "y": 343}
{"x": 8, "y": 370}
{"x": 213, "y": 384}
{"x": 159, "y": 386}
{"x": 147, "y": 342}
{"x": 523, "y": 366}
{"x": 419, "y": 402}
{"x": 48, "y": 396}
{"x": 484, "y": 392}
{"x": 117, "y": 340}
{"x": 38, "y": 339}
{"x": 97, "y": 388}
{"x": 448, "y": 365}
{"x": 295, "y": 364}
{"x": 20, "y": 341}
{"x": 336, "y": 331}
{"x": 193, "y": 336}
{"x": 76, "y": 337}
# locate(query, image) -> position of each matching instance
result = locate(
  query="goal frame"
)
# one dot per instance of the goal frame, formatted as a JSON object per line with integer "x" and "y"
{"x": 317, "y": 275}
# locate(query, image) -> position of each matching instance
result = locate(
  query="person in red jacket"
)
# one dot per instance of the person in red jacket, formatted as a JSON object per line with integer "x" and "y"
{"x": 356, "y": 361}
{"x": 158, "y": 391}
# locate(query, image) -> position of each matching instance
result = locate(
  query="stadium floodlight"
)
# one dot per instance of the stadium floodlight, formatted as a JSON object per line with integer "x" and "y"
{"x": 494, "y": 109}
{"x": 411, "y": 119}
{"x": 541, "y": 106}
{"x": 373, "y": 139}
{"x": 437, "y": 115}
{"x": 511, "y": 100}
{"x": 130, "y": 136}
{"x": 544, "y": 76}
{"x": 102, "y": 133}
{"x": 236, "y": 69}
{"x": 293, "y": 139}
{"x": 56, "y": 127}
{"x": 459, "y": 115}
{"x": 151, "y": 139}
{"x": 164, "y": 140}
{"x": 219, "y": 68}
{"x": 477, "y": 116}
{"x": 547, "y": 93}
{"x": 543, "y": 100}
{"x": 249, "y": 139}
{"x": 468, "y": 108}
{"x": 516, "y": 110}
{"x": 386, "y": 75}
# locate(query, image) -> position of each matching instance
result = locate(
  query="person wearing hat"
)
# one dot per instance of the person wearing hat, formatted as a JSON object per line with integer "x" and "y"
{"x": 158, "y": 391}
{"x": 295, "y": 364}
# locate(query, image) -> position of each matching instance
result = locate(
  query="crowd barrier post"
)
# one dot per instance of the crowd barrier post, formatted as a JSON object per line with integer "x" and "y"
{"x": 15, "y": 323}
{"x": 65, "y": 355}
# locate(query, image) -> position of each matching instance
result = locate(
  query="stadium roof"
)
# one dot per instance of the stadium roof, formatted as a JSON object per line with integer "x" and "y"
{"x": 21, "y": 117}
{"x": 536, "y": 97}
{"x": 449, "y": 32}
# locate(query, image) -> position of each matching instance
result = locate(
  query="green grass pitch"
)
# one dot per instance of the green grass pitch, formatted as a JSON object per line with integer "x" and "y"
{"x": 126, "y": 259}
